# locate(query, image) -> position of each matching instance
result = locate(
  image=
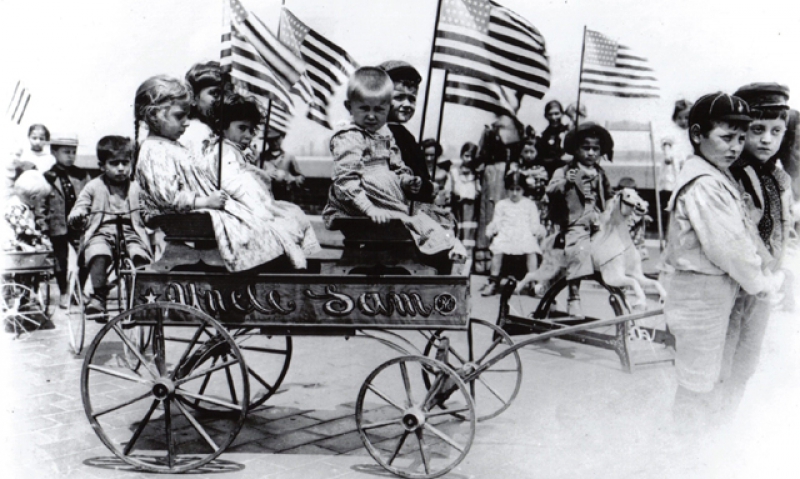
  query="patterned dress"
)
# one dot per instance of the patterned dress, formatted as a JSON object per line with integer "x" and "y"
{"x": 247, "y": 232}
{"x": 367, "y": 173}
{"x": 20, "y": 232}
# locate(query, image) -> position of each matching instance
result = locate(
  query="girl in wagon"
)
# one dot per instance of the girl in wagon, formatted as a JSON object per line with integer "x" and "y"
{"x": 369, "y": 178}
{"x": 172, "y": 180}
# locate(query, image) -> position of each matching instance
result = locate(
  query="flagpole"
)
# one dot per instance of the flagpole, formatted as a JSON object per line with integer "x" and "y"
{"x": 580, "y": 76}
{"x": 656, "y": 189}
{"x": 441, "y": 115}
{"x": 221, "y": 94}
{"x": 430, "y": 70}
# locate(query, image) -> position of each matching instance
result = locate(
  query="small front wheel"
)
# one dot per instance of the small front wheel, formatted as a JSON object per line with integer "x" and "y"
{"x": 412, "y": 430}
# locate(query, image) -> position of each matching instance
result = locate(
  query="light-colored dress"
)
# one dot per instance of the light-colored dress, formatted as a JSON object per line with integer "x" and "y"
{"x": 246, "y": 232}
{"x": 367, "y": 173}
{"x": 515, "y": 227}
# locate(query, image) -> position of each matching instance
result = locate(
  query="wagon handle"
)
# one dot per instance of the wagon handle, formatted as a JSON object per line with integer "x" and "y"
{"x": 561, "y": 332}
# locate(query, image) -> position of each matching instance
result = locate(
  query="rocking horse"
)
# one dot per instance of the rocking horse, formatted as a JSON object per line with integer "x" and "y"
{"x": 614, "y": 255}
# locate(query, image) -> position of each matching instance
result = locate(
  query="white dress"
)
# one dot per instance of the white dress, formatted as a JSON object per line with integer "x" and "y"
{"x": 516, "y": 227}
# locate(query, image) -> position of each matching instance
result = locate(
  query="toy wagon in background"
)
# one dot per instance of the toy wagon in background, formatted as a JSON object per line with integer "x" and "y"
{"x": 25, "y": 285}
{"x": 200, "y": 347}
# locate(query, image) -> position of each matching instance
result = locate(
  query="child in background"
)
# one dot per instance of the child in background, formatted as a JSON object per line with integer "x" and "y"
{"x": 112, "y": 191}
{"x": 282, "y": 167}
{"x": 19, "y": 229}
{"x": 515, "y": 229}
{"x": 636, "y": 223}
{"x": 713, "y": 251}
{"x": 466, "y": 188}
{"x": 174, "y": 181}
{"x": 369, "y": 178}
{"x": 432, "y": 151}
{"x": 578, "y": 192}
{"x": 290, "y": 231}
{"x": 550, "y": 145}
{"x": 67, "y": 181}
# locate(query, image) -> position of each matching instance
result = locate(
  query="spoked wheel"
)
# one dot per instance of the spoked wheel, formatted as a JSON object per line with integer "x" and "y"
{"x": 267, "y": 360}
{"x": 22, "y": 309}
{"x": 495, "y": 388}
{"x": 146, "y": 422}
{"x": 412, "y": 430}
{"x": 140, "y": 335}
{"x": 76, "y": 315}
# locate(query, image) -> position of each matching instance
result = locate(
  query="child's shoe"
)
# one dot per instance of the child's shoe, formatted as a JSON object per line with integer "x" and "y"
{"x": 574, "y": 308}
{"x": 97, "y": 308}
{"x": 63, "y": 301}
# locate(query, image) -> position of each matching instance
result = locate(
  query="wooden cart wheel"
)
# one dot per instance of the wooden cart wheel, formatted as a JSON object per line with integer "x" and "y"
{"x": 76, "y": 315}
{"x": 267, "y": 360}
{"x": 494, "y": 389}
{"x": 22, "y": 309}
{"x": 412, "y": 430}
{"x": 146, "y": 422}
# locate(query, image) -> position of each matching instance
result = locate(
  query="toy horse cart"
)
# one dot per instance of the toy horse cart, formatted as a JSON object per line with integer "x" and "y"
{"x": 167, "y": 384}
{"x": 25, "y": 285}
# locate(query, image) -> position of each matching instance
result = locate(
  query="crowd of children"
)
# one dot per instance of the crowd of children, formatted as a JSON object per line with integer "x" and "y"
{"x": 730, "y": 215}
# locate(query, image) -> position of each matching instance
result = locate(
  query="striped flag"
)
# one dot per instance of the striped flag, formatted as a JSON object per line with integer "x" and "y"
{"x": 609, "y": 68}
{"x": 327, "y": 65}
{"x": 18, "y": 104}
{"x": 476, "y": 93}
{"x": 286, "y": 65}
{"x": 482, "y": 39}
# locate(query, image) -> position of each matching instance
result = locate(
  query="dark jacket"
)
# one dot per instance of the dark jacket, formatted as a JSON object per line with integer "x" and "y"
{"x": 57, "y": 202}
{"x": 413, "y": 157}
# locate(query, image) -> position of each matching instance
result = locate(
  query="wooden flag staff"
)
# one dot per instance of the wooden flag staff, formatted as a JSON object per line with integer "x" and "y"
{"x": 580, "y": 77}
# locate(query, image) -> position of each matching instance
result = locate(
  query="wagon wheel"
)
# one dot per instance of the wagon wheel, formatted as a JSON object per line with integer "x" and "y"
{"x": 267, "y": 358}
{"x": 22, "y": 309}
{"x": 495, "y": 388}
{"x": 76, "y": 315}
{"x": 140, "y": 335}
{"x": 412, "y": 430}
{"x": 146, "y": 423}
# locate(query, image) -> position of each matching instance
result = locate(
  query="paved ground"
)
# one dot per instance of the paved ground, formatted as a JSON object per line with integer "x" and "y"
{"x": 577, "y": 415}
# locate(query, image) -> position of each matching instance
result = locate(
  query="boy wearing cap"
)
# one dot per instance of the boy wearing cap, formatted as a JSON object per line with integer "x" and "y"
{"x": 406, "y": 81}
{"x": 712, "y": 250}
{"x": 578, "y": 194}
{"x": 67, "y": 181}
{"x": 768, "y": 196}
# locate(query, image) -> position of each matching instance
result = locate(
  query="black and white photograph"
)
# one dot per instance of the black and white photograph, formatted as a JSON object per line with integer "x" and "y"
{"x": 459, "y": 239}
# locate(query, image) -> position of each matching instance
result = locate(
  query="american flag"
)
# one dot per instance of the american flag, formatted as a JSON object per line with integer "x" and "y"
{"x": 609, "y": 68}
{"x": 485, "y": 40}
{"x": 327, "y": 65}
{"x": 18, "y": 104}
{"x": 476, "y": 93}
{"x": 251, "y": 75}
{"x": 287, "y": 66}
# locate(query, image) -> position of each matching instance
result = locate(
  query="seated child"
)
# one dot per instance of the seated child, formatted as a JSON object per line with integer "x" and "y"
{"x": 289, "y": 227}
{"x": 112, "y": 191}
{"x": 282, "y": 167}
{"x": 174, "y": 181}
{"x": 578, "y": 192}
{"x": 19, "y": 229}
{"x": 369, "y": 179}
{"x": 515, "y": 229}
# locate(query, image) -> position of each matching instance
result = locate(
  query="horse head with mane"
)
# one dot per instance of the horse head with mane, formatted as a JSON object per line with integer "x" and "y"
{"x": 613, "y": 253}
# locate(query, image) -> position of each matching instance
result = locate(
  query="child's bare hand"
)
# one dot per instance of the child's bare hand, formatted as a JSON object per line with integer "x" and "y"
{"x": 415, "y": 184}
{"x": 77, "y": 220}
{"x": 379, "y": 215}
{"x": 572, "y": 176}
{"x": 217, "y": 200}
